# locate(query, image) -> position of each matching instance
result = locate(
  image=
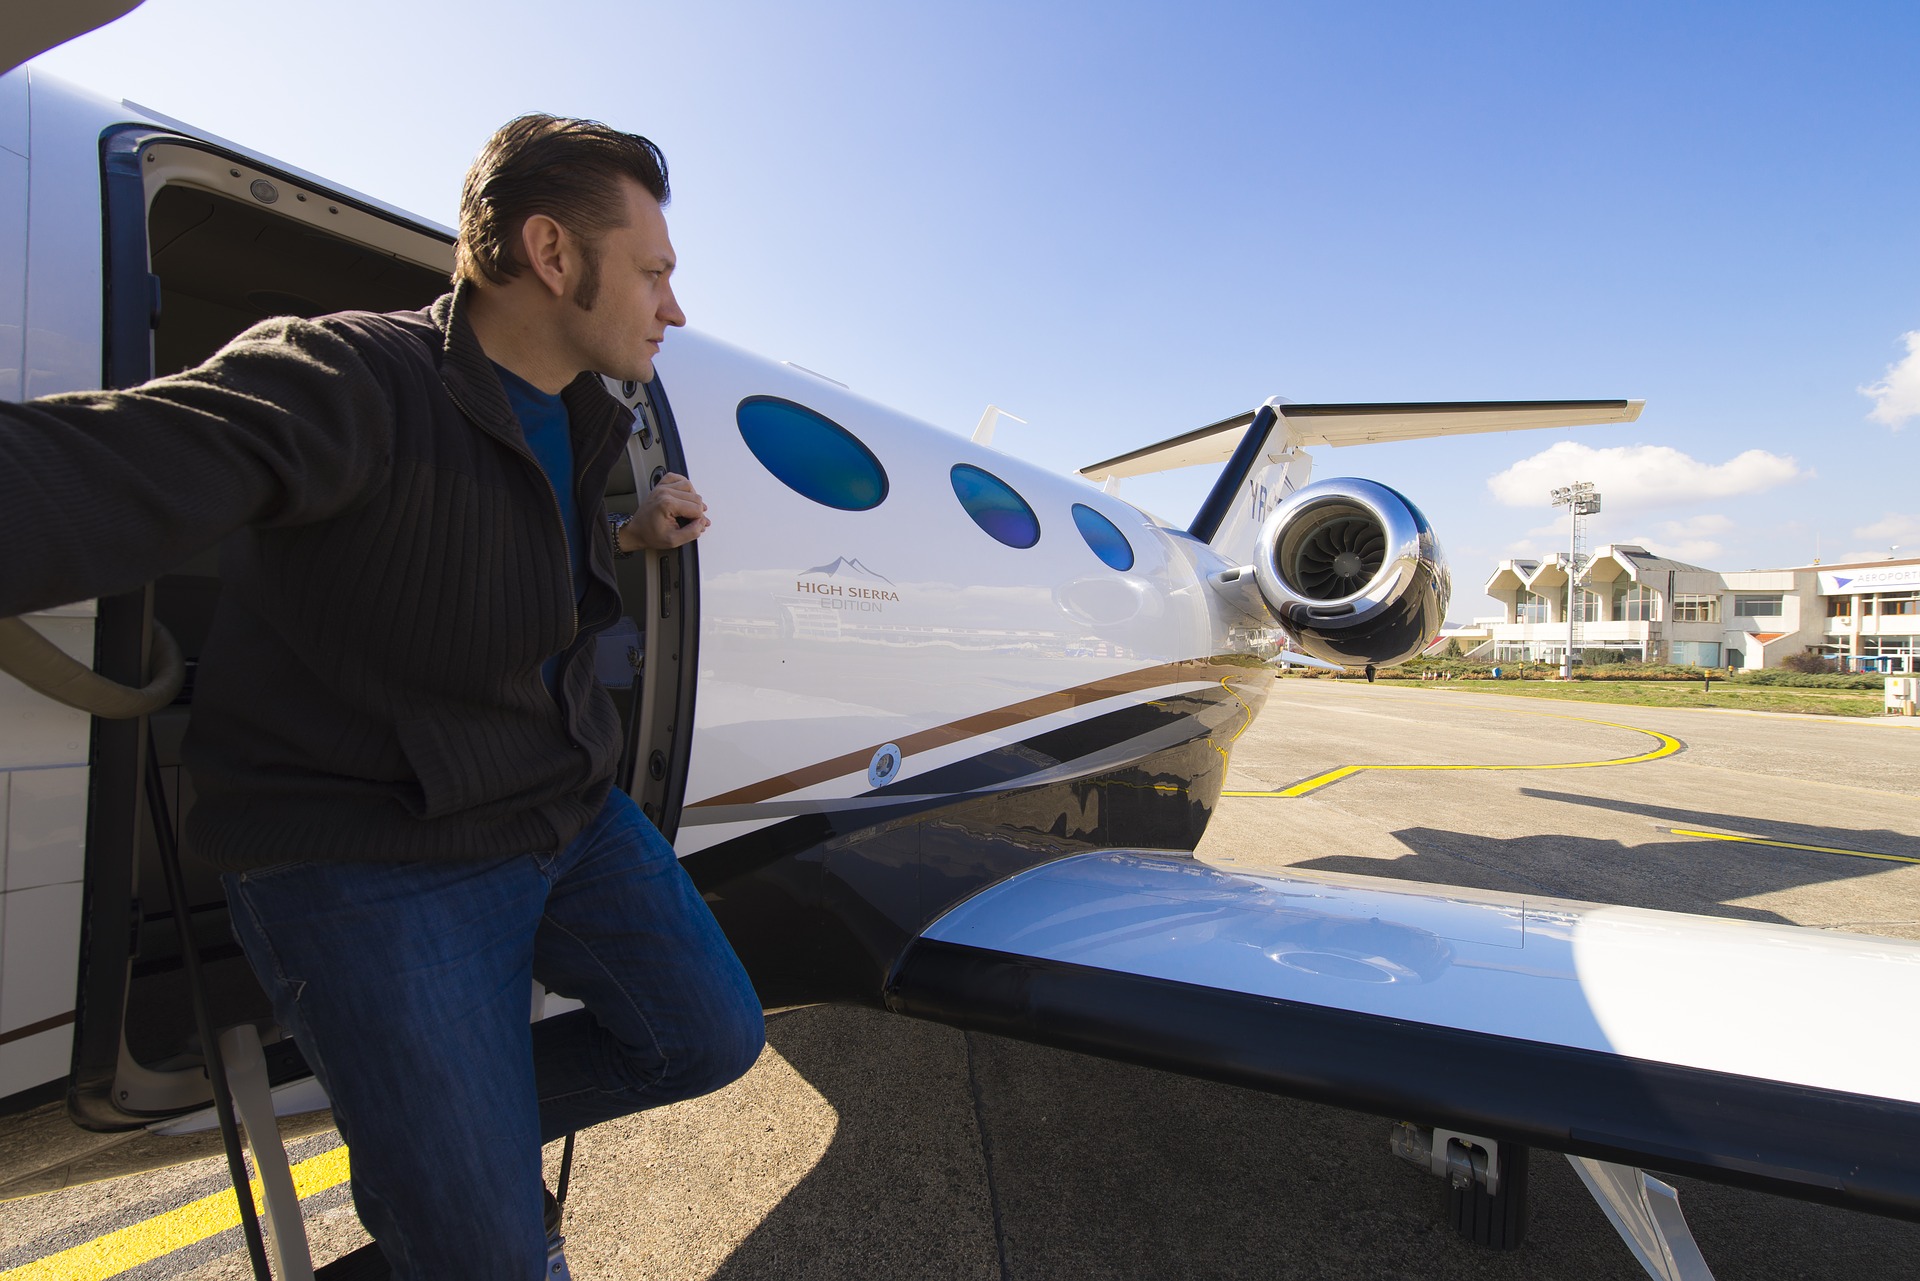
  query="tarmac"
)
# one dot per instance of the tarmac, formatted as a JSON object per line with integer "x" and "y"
{"x": 871, "y": 1146}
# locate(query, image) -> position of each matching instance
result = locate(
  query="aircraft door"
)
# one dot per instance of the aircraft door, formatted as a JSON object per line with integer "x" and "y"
{"x": 647, "y": 660}
{"x": 200, "y": 245}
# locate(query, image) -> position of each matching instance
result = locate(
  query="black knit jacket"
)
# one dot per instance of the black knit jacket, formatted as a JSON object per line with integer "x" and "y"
{"x": 394, "y": 573}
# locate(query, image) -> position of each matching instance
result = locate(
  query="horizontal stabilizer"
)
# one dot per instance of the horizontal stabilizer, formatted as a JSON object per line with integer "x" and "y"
{"x": 1765, "y": 1055}
{"x": 1210, "y": 444}
{"x": 1365, "y": 424}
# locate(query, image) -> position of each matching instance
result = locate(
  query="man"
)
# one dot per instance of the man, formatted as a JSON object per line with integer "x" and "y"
{"x": 402, "y": 759}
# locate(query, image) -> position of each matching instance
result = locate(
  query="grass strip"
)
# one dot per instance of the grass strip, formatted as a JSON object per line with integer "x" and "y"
{"x": 1749, "y": 698}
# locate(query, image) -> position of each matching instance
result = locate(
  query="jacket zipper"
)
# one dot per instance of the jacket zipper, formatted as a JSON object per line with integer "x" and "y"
{"x": 559, "y": 523}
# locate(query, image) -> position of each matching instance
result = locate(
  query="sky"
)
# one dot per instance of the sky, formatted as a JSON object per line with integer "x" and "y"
{"x": 1123, "y": 221}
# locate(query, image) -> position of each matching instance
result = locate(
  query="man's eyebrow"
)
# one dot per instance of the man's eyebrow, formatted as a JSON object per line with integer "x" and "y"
{"x": 661, "y": 262}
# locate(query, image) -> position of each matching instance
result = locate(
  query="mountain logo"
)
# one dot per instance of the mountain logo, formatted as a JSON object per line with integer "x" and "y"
{"x": 846, "y": 584}
{"x": 850, "y": 567}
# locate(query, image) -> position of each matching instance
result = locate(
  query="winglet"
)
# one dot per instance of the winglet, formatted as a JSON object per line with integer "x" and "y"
{"x": 983, "y": 430}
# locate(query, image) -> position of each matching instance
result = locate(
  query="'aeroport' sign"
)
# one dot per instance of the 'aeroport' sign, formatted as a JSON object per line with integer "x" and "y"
{"x": 1845, "y": 582}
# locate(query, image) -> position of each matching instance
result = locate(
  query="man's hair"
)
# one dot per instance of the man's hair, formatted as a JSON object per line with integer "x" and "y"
{"x": 569, "y": 170}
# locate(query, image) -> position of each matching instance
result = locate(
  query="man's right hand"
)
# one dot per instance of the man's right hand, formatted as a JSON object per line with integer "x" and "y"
{"x": 671, "y": 514}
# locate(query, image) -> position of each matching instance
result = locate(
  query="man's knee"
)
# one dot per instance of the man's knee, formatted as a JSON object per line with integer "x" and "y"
{"x": 724, "y": 1053}
{"x": 715, "y": 1053}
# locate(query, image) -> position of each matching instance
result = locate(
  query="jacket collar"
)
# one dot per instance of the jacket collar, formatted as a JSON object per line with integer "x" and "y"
{"x": 475, "y": 387}
{"x": 465, "y": 369}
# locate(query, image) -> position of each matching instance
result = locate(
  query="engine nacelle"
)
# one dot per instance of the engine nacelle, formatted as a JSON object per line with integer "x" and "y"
{"x": 1353, "y": 572}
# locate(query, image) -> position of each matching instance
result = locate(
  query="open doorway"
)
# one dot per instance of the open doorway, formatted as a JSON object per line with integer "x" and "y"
{"x": 203, "y": 243}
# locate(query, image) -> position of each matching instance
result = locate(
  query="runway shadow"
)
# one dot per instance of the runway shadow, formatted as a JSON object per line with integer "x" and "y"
{"x": 971, "y": 1156}
{"x": 1874, "y": 840}
{"x": 1677, "y": 874}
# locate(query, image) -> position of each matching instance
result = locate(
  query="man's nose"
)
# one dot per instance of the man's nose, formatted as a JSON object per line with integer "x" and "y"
{"x": 670, "y": 311}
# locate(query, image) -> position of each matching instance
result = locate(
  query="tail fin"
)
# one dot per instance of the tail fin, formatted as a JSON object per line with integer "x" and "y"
{"x": 1265, "y": 449}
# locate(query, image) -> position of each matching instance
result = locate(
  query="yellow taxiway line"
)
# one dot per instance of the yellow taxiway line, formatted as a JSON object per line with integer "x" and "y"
{"x": 1787, "y": 845}
{"x": 1668, "y": 745}
{"x": 129, "y": 1247}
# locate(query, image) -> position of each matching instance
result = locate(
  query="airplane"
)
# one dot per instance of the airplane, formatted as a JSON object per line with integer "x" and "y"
{"x": 932, "y": 728}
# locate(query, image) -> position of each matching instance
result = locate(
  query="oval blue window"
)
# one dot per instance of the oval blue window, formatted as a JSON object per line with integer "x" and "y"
{"x": 811, "y": 454}
{"x": 995, "y": 507}
{"x": 1108, "y": 543}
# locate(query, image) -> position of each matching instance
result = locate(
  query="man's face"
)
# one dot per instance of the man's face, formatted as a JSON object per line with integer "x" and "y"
{"x": 623, "y": 302}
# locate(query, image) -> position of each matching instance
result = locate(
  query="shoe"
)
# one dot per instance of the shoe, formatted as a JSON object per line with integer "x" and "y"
{"x": 551, "y": 1212}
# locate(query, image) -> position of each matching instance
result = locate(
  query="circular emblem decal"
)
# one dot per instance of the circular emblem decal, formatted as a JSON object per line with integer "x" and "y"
{"x": 885, "y": 766}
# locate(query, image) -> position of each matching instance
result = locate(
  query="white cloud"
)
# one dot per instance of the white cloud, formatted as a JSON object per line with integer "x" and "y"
{"x": 1539, "y": 543}
{"x": 1691, "y": 540}
{"x": 1632, "y": 476}
{"x": 1893, "y": 535}
{"x": 1696, "y": 539}
{"x": 1896, "y": 397}
{"x": 1893, "y": 528}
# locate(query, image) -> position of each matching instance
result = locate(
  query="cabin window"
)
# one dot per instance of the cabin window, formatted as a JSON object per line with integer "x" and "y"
{"x": 811, "y": 454}
{"x": 995, "y": 507}
{"x": 1104, "y": 537}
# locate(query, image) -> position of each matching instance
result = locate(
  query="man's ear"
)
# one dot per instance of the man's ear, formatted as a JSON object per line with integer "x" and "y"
{"x": 544, "y": 244}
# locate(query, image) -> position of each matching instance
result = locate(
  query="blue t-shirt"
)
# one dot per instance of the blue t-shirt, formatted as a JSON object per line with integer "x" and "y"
{"x": 549, "y": 435}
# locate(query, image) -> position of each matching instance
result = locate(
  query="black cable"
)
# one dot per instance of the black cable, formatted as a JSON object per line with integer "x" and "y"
{"x": 216, "y": 1069}
{"x": 566, "y": 1169}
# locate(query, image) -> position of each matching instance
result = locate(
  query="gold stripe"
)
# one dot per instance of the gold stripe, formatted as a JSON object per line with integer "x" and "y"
{"x": 1059, "y": 700}
{"x": 129, "y": 1247}
{"x": 1668, "y": 746}
{"x": 35, "y": 1029}
{"x": 1788, "y": 845}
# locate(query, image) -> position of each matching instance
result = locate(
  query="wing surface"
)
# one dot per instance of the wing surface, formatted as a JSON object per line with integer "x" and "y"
{"x": 1770, "y": 1056}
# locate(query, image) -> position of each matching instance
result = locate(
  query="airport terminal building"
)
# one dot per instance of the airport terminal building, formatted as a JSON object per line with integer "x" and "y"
{"x": 1648, "y": 608}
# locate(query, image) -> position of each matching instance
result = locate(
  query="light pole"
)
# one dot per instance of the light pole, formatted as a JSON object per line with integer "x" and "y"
{"x": 1582, "y": 501}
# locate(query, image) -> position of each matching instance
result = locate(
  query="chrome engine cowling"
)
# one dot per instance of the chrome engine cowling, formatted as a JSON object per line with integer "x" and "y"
{"x": 1353, "y": 572}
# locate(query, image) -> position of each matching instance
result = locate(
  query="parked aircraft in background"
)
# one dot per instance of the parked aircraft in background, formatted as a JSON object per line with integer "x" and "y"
{"x": 932, "y": 728}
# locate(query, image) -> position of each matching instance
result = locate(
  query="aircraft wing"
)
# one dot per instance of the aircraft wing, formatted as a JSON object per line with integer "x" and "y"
{"x": 1364, "y": 424}
{"x": 1771, "y": 1056}
{"x": 30, "y": 29}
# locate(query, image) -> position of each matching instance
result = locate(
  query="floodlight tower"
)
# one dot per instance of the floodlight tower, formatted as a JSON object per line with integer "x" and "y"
{"x": 1582, "y": 500}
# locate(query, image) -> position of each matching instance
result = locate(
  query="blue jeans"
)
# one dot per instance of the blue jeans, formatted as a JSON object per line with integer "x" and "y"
{"x": 407, "y": 987}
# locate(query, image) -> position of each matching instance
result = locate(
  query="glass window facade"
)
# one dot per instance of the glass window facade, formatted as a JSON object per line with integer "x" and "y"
{"x": 1529, "y": 608}
{"x": 1695, "y": 653}
{"x": 1635, "y": 604}
{"x": 1897, "y": 653}
{"x": 1769, "y": 606}
{"x": 1697, "y": 609}
{"x": 1586, "y": 605}
{"x": 1901, "y": 603}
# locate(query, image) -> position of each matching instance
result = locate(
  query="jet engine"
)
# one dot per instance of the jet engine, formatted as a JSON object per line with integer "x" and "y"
{"x": 1353, "y": 572}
